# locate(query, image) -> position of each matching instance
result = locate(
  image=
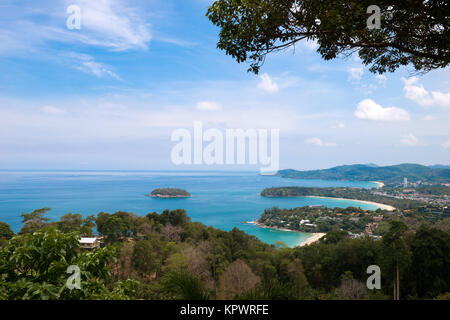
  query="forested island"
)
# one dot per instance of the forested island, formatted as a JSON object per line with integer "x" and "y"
{"x": 169, "y": 193}
{"x": 164, "y": 256}
{"x": 390, "y": 175}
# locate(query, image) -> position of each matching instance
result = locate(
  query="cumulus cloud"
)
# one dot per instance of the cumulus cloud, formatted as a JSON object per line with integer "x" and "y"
{"x": 368, "y": 109}
{"x": 318, "y": 142}
{"x": 410, "y": 140}
{"x": 355, "y": 73}
{"x": 208, "y": 106}
{"x": 415, "y": 91}
{"x": 267, "y": 84}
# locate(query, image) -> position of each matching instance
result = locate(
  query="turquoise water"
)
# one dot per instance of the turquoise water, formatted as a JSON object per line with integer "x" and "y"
{"x": 220, "y": 199}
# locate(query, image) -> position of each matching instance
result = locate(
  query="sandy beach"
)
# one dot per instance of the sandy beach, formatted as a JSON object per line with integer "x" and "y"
{"x": 315, "y": 237}
{"x": 380, "y": 184}
{"x": 380, "y": 205}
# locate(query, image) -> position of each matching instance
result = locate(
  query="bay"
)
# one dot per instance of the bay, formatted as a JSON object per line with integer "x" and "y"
{"x": 221, "y": 199}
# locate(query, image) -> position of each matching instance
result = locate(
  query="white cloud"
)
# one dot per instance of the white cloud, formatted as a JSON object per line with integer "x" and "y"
{"x": 112, "y": 24}
{"x": 355, "y": 73}
{"x": 410, "y": 140}
{"x": 415, "y": 91}
{"x": 208, "y": 106}
{"x": 446, "y": 144}
{"x": 87, "y": 64}
{"x": 428, "y": 118}
{"x": 368, "y": 109}
{"x": 381, "y": 78}
{"x": 267, "y": 84}
{"x": 341, "y": 125}
{"x": 53, "y": 110}
{"x": 318, "y": 142}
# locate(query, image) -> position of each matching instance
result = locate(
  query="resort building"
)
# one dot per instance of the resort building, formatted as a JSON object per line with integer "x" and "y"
{"x": 89, "y": 243}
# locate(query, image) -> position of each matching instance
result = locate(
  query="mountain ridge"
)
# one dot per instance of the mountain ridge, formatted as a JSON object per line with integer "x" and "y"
{"x": 392, "y": 174}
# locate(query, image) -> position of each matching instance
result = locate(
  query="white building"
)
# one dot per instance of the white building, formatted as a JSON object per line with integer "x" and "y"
{"x": 89, "y": 243}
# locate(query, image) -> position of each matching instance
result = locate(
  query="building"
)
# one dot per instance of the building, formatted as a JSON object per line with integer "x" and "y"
{"x": 405, "y": 182}
{"x": 89, "y": 243}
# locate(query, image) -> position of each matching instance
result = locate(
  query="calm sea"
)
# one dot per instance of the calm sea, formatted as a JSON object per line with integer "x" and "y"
{"x": 220, "y": 199}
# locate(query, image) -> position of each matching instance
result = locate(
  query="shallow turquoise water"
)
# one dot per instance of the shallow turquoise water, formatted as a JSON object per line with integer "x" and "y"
{"x": 221, "y": 199}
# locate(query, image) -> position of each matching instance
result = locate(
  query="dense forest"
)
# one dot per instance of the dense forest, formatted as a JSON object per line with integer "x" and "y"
{"x": 347, "y": 193}
{"x": 167, "y": 256}
{"x": 388, "y": 174}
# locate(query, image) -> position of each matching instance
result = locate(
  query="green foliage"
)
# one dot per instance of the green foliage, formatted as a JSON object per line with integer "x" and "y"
{"x": 388, "y": 174}
{"x": 346, "y": 193}
{"x": 207, "y": 263}
{"x": 34, "y": 220}
{"x": 5, "y": 231}
{"x": 34, "y": 267}
{"x": 184, "y": 285}
{"x": 169, "y": 192}
{"x": 430, "y": 263}
{"x": 411, "y": 32}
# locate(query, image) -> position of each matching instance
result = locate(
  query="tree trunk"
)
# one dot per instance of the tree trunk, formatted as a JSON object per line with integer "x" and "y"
{"x": 393, "y": 285}
{"x": 398, "y": 285}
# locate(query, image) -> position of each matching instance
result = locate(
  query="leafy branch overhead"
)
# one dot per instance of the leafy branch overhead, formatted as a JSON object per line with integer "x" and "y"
{"x": 411, "y": 32}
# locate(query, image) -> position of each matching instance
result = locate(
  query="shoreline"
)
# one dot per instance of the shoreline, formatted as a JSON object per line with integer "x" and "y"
{"x": 380, "y": 205}
{"x": 314, "y": 237}
{"x": 379, "y": 183}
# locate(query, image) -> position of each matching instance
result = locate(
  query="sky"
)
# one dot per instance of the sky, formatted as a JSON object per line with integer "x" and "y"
{"x": 109, "y": 95}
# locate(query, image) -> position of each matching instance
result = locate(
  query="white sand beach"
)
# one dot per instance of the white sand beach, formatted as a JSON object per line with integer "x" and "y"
{"x": 380, "y": 205}
{"x": 380, "y": 184}
{"x": 314, "y": 238}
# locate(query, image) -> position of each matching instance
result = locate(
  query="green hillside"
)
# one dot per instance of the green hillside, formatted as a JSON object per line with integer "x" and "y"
{"x": 388, "y": 174}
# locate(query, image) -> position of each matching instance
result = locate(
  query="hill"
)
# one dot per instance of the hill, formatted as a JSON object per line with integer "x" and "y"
{"x": 387, "y": 174}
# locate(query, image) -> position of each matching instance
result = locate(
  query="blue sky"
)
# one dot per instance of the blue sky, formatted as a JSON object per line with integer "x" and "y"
{"x": 108, "y": 96}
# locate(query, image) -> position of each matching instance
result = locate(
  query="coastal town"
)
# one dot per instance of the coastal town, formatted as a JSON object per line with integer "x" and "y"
{"x": 413, "y": 203}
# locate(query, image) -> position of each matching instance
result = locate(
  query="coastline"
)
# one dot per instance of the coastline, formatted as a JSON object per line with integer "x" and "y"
{"x": 380, "y": 184}
{"x": 314, "y": 237}
{"x": 380, "y": 205}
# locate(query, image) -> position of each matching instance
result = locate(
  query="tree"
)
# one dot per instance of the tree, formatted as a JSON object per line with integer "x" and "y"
{"x": 237, "y": 279}
{"x": 147, "y": 257}
{"x": 70, "y": 222}
{"x": 430, "y": 263}
{"x": 34, "y": 220}
{"x": 5, "y": 231}
{"x": 183, "y": 285}
{"x": 350, "y": 289}
{"x": 335, "y": 236}
{"x": 34, "y": 267}
{"x": 411, "y": 32}
{"x": 396, "y": 254}
{"x": 116, "y": 226}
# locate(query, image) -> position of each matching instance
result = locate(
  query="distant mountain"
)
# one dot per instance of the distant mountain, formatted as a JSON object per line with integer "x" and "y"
{"x": 440, "y": 166}
{"x": 362, "y": 172}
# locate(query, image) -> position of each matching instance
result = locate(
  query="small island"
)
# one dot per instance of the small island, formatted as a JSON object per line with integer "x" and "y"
{"x": 169, "y": 193}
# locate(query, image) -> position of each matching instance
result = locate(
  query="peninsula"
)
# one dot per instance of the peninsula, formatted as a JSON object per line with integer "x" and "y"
{"x": 363, "y": 195}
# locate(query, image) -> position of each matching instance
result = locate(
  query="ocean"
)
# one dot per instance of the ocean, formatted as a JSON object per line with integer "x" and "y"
{"x": 221, "y": 199}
